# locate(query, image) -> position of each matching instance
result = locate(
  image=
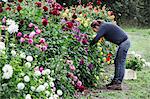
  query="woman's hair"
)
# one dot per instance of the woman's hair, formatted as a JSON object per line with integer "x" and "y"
{"x": 96, "y": 23}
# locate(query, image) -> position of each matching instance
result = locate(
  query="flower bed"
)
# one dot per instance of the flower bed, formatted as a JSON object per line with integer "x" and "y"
{"x": 44, "y": 49}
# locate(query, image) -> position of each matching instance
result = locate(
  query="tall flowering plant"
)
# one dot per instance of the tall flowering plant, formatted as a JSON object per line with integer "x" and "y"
{"x": 89, "y": 61}
{"x": 45, "y": 50}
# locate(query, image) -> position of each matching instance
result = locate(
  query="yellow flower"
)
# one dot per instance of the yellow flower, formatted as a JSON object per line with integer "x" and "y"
{"x": 112, "y": 61}
{"x": 93, "y": 35}
{"x": 97, "y": 77}
{"x": 64, "y": 15}
{"x": 67, "y": 10}
{"x": 104, "y": 59}
{"x": 98, "y": 44}
{"x": 106, "y": 77}
{"x": 102, "y": 74}
{"x": 81, "y": 15}
{"x": 100, "y": 48}
{"x": 70, "y": 15}
{"x": 111, "y": 17}
{"x": 102, "y": 53}
{"x": 78, "y": 19}
{"x": 108, "y": 62}
{"x": 88, "y": 19}
{"x": 85, "y": 24}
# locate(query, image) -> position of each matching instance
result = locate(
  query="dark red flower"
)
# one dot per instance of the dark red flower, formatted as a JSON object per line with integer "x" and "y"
{"x": 108, "y": 59}
{"x": 55, "y": 12}
{"x": 80, "y": 12}
{"x": 80, "y": 88}
{"x": 1, "y": 10}
{"x": 39, "y": 4}
{"x": 90, "y": 66}
{"x": 81, "y": 62}
{"x": 69, "y": 24}
{"x": 20, "y": 0}
{"x": 45, "y": 8}
{"x": 19, "y": 8}
{"x": 109, "y": 55}
{"x": 8, "y": 8}
{"x": 70, "y": 75}
{"x": 21, "y": 22}
{"x": 98, "y": 2}
{"x": 59, "y": 7}
{"x": 44, "y": 22}
{"x": 84, "y": 41}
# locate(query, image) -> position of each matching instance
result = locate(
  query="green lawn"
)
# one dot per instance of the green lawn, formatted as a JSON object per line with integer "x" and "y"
{"x": 140, "y": 88}
{"x": 140, "y": 41}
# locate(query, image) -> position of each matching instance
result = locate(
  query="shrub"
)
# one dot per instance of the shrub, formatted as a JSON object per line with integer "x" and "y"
{"x": 135, "y": 62}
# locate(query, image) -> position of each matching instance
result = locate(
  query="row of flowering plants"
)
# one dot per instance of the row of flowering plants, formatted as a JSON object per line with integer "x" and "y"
{"x": 44, "y": 49}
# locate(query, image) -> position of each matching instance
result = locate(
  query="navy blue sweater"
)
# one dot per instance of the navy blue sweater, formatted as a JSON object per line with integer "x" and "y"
{"x": 110, "y": 32}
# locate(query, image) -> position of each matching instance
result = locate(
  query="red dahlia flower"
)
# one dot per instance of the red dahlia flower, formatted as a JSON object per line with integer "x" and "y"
{"x": 80, "y": 12}
{"x": 109, "y": 55}
{"x": 45, "y": 8}
{"x": 39, "y": 4}
{"x": 8, "y": 8}
{"x": 1, "y": 10}
{"x": 55, "y": 12}
{"x": 108, "y": 59}
{"x": 19, "y": 8}
{"x": 59, "y": 7}
{"x": 84, "y": 41}
{"x": 44, "y": 22}
{"x": 69, "y": 24}
{"x": 98, "y": 2}
{"x": 81, "y": 88}
{"x": 20, "y": 0}
{"x": 70, "y": 75}
{"x": 21, "y": 22}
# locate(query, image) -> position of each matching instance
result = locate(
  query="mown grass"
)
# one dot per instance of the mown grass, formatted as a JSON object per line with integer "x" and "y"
{"x": 140, "y": 41}
{"x": 139, "y": 88}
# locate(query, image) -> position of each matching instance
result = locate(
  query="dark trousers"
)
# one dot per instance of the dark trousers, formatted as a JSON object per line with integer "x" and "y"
{"x": 120, "y": 60}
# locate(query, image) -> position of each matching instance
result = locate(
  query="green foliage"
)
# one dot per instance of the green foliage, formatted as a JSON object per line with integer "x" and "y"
{"x": 137, "y": 11}
{"x": 60, "y": 46}
{"x": 135, "y": 62}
